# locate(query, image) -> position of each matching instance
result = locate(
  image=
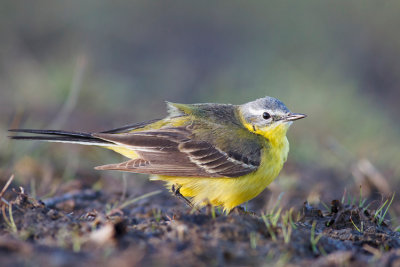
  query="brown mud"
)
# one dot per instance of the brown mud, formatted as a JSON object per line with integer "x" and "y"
{"x": 82, "y": 228}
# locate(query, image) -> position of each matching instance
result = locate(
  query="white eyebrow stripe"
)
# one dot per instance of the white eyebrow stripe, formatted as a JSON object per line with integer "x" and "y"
{"x": 255, "y": 111}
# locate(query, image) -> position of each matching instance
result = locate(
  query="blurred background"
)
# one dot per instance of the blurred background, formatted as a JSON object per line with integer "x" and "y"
{"x": 95, "y": 65}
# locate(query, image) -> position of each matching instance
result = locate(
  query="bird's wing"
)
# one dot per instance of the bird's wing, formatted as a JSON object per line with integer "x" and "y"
{"x": 179, "y": 152}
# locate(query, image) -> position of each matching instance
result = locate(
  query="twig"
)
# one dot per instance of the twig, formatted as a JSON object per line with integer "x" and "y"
{"x": 9, "y": 221}
{"x": 4, "y": 201}
{"x": 6, "y": 186}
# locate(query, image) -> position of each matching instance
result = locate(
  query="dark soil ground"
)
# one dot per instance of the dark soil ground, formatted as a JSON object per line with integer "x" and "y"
{"x": 82, "y": 226}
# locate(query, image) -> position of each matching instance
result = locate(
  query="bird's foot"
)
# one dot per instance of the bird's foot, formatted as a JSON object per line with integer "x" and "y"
{"x": 176, "y": 190}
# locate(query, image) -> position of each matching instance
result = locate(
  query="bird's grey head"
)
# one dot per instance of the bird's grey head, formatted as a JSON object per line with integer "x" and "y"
{"x": 267, "y": 111}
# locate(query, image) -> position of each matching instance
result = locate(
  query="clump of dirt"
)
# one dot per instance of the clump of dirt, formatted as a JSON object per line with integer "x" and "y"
{"x": 351, "y": 228}
{"x": 82, "y": 229}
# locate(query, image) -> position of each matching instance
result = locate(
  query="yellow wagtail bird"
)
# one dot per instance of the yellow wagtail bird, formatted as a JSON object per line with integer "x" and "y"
{"x": 220, "y": 154}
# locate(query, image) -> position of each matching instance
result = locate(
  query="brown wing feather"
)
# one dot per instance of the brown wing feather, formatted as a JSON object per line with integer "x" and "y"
{"x": 176, "y": 152}
{"x": 214, "y": 160}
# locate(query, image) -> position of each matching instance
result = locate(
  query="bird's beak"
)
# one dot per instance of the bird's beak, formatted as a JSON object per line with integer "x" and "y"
{"x": 295, "y": 116}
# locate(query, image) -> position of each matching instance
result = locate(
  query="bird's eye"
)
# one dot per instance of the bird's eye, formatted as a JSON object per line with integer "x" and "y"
{"x": 266, "y": 115}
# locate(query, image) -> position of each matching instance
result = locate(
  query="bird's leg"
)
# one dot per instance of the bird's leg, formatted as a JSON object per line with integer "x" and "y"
{"x": 176, "y": 190}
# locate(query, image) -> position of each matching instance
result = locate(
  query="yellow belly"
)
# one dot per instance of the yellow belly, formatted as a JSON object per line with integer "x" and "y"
{"x": 231, "y": 192}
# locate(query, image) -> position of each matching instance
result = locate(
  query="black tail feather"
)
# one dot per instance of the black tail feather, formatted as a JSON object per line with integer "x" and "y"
{"x": 57, "y": 136}
{"x": 52, "y": 132}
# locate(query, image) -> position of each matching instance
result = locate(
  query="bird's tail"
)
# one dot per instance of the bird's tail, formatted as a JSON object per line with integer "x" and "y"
{"x": 60, "y": 136}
